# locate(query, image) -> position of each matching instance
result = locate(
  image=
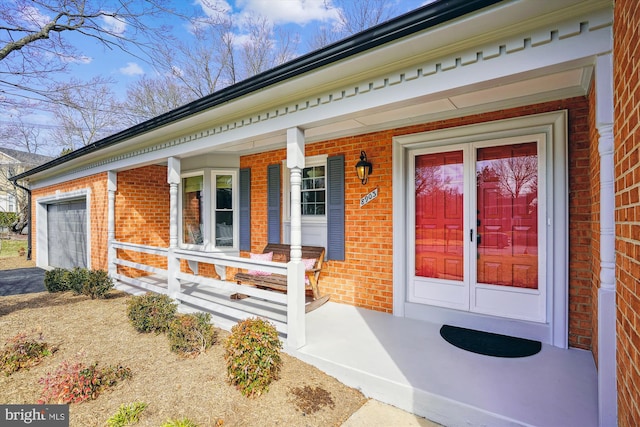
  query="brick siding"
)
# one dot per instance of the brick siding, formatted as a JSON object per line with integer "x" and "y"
{"x": 97, "y": 186}
{"x": 142, "y": 214}
{"x": 369, "y": 229}
{"x": 626, "y": 75}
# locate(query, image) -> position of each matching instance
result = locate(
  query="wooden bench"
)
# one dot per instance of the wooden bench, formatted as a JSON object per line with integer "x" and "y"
{"x": 282, "y": 253}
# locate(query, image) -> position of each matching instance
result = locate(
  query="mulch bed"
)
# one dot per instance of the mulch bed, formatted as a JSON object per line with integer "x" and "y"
{"x": 99, "y": 331}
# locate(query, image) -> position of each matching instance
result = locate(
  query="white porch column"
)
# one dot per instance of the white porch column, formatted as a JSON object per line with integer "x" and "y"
{"x": 173, "y": 264}
{"x": 607, "y": 384}
{"x": 112, "y": 187}
{"x": 296, "y": 337}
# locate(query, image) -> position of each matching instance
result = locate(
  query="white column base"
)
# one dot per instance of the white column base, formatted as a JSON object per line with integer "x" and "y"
{"x": 607, "y": 384}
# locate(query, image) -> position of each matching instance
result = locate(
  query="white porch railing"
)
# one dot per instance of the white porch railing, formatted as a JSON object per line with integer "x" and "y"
{"x": 210, "y": 294}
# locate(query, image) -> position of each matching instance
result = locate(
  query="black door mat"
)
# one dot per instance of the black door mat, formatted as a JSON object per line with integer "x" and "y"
{"x": 488, "y": 343}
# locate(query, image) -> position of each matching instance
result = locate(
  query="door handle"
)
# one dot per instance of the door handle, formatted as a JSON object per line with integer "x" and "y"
{"x": 471, "y": 235}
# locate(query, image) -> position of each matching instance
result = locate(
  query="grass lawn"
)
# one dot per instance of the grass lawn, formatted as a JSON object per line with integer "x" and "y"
{"x": 11, "y": 248}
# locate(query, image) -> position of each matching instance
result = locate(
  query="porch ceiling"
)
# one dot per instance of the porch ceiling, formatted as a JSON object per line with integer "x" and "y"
{"x": 490, "y": 96}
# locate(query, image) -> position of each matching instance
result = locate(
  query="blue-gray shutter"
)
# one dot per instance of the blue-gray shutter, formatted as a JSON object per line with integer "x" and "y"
{"x": 273, "y": 203}
{"x": 245, "y": 209}
{"x": 335, "y": 208}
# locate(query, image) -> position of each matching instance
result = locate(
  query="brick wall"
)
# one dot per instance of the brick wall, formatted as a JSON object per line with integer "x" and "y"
{"x": 142, "y": 213}
{"x": 626, "y": 72}
{"x": 97, "y": 186}
{"x": 369, "y": 229}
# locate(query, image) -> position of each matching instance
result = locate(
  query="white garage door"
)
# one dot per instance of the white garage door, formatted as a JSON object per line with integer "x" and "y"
{"x": 67, "y": 234}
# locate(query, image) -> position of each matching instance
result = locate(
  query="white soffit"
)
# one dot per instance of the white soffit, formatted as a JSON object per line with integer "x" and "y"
{"x": 571, "y": 81}
{"x": 403, "y": 113}
{"x": 553, "y": 82}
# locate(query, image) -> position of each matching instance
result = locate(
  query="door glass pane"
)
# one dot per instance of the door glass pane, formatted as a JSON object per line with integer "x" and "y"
{"x": 439, "y": 215}
{"x": 507, "y": 232}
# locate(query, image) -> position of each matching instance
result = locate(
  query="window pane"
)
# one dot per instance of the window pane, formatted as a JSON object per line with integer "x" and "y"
{"x": 192, "y": 210}
{"x": 313, "y": 190}
{"x": 224, "y": 228}
{"x": 224, "y": 192}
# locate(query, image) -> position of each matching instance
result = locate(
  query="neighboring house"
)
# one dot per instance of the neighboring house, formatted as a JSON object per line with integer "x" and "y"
{"x": 503, "y": 194}
{"x": 14, "y": 162}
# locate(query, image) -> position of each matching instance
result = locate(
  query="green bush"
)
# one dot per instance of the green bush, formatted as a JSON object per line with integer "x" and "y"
{"x": 76, "y": 279}
{"x": 56, "y": 280}
{"x": 191, "y": 334}
{"x": 252, "y": 355}
{"x": 151, "y": 312}
{"x": 22, "y": 352}
{"x": 127, "y": 414}
{"x": 7, "y": 219}
{"x": 97, "y": 285}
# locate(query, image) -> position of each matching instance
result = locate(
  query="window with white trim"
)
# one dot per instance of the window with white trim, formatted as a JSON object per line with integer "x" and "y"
{"x": 209, "y": 210}
{"x": 192, "y": 210}
{"x": 313, "y": 197}
{"x": 223, "y": 188}
{"x": 313, "y": 190}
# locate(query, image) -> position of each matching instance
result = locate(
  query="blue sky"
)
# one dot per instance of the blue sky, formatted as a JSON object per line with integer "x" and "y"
{"x": 302, "y": 16}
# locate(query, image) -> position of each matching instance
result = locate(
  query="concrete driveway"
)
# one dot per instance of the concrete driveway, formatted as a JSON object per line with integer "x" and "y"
{"x": 21, "y": 281}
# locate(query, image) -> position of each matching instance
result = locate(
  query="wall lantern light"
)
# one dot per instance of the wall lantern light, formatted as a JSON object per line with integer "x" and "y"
{"x": 363, "y": 168}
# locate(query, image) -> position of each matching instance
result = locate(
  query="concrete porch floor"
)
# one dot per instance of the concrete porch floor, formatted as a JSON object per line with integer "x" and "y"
{"x": 405, "y": 363}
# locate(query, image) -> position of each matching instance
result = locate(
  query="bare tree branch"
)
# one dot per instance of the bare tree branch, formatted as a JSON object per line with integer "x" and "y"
{"x": 34, "y": 45}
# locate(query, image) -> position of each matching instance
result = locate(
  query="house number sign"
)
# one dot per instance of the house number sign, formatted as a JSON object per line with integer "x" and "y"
{"x": 369, "y": 197}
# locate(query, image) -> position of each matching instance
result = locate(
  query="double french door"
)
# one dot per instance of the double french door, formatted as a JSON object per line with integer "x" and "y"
{"x": 478, "y": 219}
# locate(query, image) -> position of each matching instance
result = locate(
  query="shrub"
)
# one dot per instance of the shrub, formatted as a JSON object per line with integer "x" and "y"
{"x": 56, "y": 280}
{"x": 252, "y": 355}
{"x": 191, "y": 334}
{"x": 151, "y": 312}
{"x": 7, "y": 219}
{"x": 97, "y": 285}
{"x": 77, "y": 382}
{"x": 22, "y": 352}
{"x": 127, "y": 414}
{"x": 184, "y": 422}
{"x": 76, "y": 279}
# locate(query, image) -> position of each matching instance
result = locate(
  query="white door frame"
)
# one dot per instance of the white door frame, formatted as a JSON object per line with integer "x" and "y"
{"x": 554, "y": 126}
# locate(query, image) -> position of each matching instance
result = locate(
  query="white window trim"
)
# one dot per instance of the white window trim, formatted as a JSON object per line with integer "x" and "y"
{"x": 205, "y": 195}
{"x": 319, "y": 160}
{"x": 208, "y": 217}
